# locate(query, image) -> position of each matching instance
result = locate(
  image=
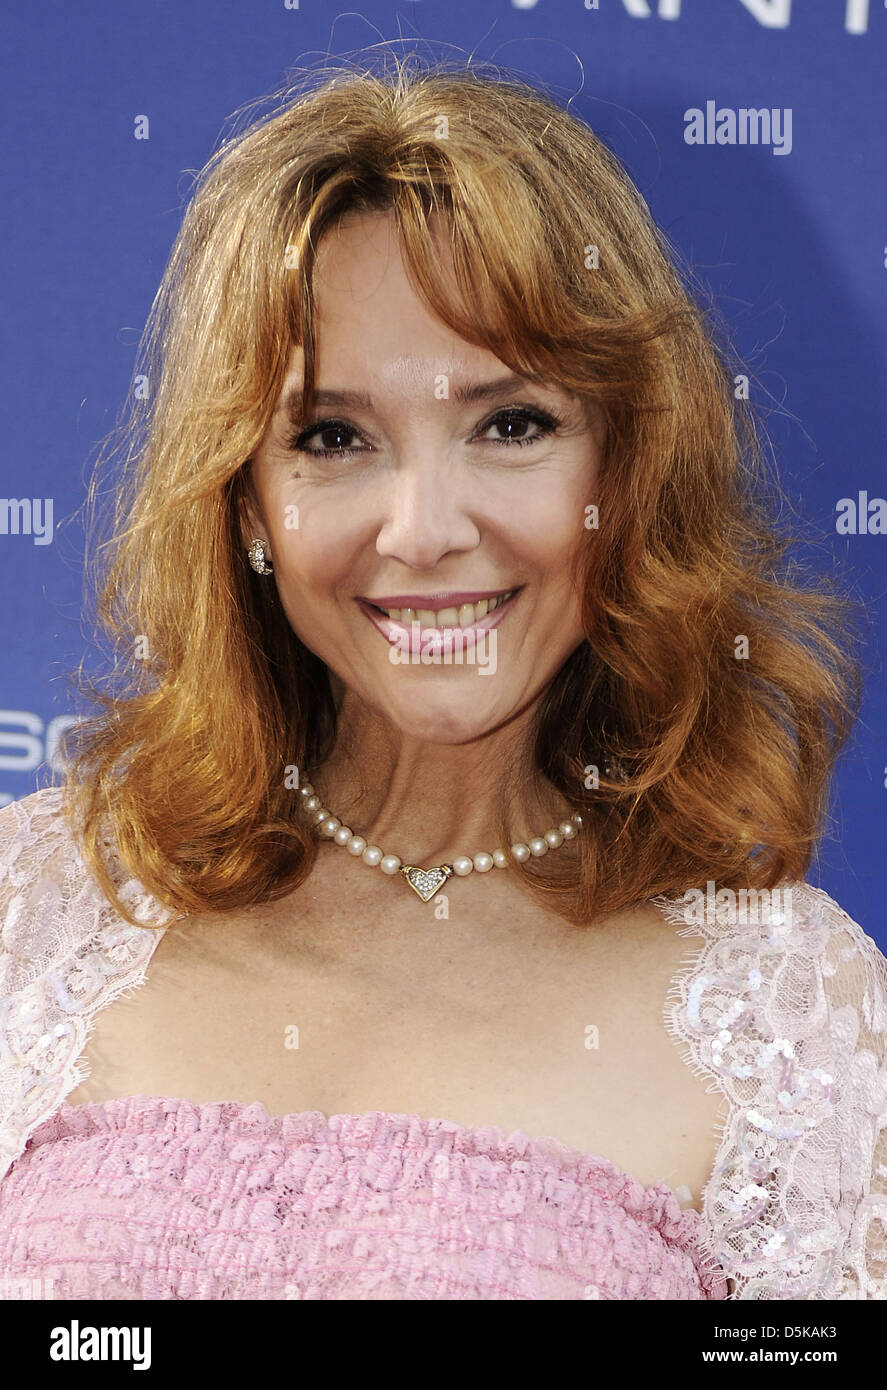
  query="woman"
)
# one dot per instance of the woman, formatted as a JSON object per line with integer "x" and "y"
{"x": 466, "y": 692}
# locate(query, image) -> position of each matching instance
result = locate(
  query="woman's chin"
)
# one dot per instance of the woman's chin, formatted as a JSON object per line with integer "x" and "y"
{"x": 444, "y": 720}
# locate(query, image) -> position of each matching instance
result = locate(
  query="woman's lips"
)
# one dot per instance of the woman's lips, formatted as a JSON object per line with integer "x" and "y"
{"x": 413, "y": 637}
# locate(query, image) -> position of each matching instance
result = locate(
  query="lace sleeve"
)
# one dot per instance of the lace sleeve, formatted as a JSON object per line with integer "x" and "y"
{"x": 64, "y": 954}
{"x": 788, "y": 1018}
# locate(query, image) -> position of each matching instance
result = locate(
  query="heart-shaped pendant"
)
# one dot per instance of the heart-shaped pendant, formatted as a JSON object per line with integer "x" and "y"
{"x": 426, "y": 882}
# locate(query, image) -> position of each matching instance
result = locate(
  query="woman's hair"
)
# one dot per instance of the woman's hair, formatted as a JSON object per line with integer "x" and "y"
{"x": 715, "y": 681}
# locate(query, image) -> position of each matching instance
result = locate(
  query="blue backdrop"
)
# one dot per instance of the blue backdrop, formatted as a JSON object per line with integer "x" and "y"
{"x": 790, "y": 234}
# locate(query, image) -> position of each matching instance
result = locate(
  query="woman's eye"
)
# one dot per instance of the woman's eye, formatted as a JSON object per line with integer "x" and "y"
{"x": 516, "y": 422}
{"x": 331, "y": 433}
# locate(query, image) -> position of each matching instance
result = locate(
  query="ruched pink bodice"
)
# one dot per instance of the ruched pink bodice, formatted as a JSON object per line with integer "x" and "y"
{"x": 163, "y": 1199}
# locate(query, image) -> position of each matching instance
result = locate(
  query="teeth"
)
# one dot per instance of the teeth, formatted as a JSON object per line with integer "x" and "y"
{"x": 463, "y": 616}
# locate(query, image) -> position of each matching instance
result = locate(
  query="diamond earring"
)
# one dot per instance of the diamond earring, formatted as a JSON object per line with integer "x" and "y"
{"x": 258, "y": 558}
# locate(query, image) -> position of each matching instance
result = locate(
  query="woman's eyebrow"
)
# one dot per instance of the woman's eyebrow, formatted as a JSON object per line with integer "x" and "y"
{"x": 357, "y": 400}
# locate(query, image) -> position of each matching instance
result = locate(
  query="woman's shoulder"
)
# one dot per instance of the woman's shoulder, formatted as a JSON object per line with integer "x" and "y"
{"x": 793, "y": 949}
{"x": 64, "y": 954}
{"x": 784, "y": 1006}
{"x": 51, "y": 904}
{"x": 30, "y": 828}
{"x": 42, "y": 882}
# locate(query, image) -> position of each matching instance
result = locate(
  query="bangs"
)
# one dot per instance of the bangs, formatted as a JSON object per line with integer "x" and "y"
{"x": 488, "y": 263}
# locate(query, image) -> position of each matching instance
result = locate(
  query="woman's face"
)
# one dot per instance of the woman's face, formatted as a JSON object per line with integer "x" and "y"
{"x": 405, "y": 494}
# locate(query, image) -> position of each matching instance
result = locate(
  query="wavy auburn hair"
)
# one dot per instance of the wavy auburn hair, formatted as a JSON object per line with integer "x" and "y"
{"x": 719, "y": 760}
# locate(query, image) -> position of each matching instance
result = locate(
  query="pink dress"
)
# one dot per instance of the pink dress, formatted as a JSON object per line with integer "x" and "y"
{"x": 158, "y": 1198}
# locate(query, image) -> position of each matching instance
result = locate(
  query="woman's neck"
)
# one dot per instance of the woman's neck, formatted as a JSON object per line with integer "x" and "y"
{"x": 428, "y": 802}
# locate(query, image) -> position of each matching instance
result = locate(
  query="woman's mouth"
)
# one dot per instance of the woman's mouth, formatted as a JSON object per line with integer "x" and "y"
{"x": 405, "y": 624}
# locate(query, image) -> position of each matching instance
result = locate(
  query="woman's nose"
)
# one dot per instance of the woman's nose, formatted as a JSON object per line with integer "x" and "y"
{"x": 425, "y": 513}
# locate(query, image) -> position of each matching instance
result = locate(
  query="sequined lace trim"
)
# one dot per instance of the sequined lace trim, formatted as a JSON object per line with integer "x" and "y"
{"x": 788, "y": 1018}
{"x": 65, "y": 955}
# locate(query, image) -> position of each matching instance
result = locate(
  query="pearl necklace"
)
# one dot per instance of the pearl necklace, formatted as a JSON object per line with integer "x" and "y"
{"x": 425, "y": 882}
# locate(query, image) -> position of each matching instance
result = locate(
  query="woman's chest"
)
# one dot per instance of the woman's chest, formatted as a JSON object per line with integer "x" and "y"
{"x": 552, "y": 1032}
